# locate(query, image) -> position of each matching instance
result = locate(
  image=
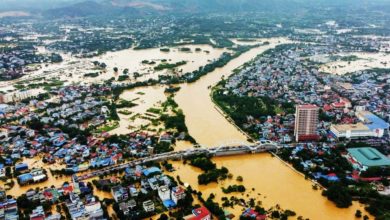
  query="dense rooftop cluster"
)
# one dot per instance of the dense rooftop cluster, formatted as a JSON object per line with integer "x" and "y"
{"x": 15, "y": 61}
{"x": 355, "y": 103}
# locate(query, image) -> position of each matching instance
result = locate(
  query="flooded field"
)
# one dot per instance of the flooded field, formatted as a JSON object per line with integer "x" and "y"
{"x": 145, "y": 98}
{"x": 72, "y": 69}
{"x": 364, "y": 61}
{"x": 198, "y": 55}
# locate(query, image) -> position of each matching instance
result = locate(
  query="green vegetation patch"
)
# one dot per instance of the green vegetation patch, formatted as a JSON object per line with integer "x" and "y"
{"x": 233, "y": 188}
{"x": 163, "y": 66}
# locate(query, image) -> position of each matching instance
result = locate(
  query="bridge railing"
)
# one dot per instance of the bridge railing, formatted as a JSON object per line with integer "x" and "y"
{"x": 181, "y": 154}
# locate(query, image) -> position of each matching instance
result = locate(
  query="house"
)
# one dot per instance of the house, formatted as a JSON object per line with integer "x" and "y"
{"x": 201, "y": 213}
{"x": 153, "y": 183}
{"x": 125, "y": 207}
{"x": 21, "y": 167}
{"x": 167, "y": 138}
{"x": 38, "y": 214}
{"x": 2, "y": 170}
{"x": 148, "y": 206}
{"x": 250, "y": 213}
{"x": 177, "y": 194}
{"x": 55, "y": 216}
{"x": 164, "y": 193}
{"x": 76, "y": 209}
{"x": 93, "y": 209}
{"x": 133, "y": 191}
{"x": 119, "y": 193}
{"x": 151, "y": 171}
{"x": 131, "y": 203}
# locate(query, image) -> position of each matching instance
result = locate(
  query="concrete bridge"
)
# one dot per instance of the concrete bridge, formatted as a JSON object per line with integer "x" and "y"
{"x": 262, "y": 146}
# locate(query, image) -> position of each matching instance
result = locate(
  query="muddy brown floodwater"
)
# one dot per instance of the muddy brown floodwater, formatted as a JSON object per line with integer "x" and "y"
{"x": 272, "y": 180}
{"x": 267, "y": 175}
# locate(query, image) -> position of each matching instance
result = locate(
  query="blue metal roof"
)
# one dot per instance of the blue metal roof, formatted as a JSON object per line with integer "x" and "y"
{"x": 376, "y": 122}
{"x": 25, "y": 177}
{"x": 21, "y": 166}
{"x": 150, "y": 170}
{"x": 169, "y": 203}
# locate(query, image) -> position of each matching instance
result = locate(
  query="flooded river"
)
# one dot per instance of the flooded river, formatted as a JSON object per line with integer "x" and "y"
{"x": 273, "y": 183}
{"x": 272, "y": 180}
{"x": 205, "y": 123}
{"x": 269, "y": 176}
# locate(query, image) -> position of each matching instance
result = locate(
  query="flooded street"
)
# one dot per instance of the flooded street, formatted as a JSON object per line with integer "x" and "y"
{"x": 36, "y": 162}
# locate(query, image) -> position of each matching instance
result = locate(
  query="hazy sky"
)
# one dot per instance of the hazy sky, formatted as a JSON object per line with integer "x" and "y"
{"x": 47, "y": 4}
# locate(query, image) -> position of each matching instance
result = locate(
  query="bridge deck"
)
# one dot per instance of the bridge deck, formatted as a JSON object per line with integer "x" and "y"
{"x": 216, "y": 151}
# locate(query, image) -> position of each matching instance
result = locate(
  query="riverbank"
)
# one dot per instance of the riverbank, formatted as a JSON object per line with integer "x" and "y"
{"x": 269, "y": 181}
{"x": 204, "y": 122}
{"x": 226, "y": 114}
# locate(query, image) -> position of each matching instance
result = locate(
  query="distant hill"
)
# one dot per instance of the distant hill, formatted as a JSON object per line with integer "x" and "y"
{"x": 105, "y": 7}
{"x": 81, "y": 9}
{"x": 118, "y": 7}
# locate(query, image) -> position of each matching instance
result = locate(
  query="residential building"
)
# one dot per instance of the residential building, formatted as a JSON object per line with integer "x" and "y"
{"x": 19, "y": 95}
{"x": 201, "y": 213}
{"x": 164, "y": 193}
{"x": 119, "y": 193}
{"x": 38, "y": 214}
{"x": 148, "y": 206}
{"x": 177, "y": 194}
{"x": 306, "y": 121}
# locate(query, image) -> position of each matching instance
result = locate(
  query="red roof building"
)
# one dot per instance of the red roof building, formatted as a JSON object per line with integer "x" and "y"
{"x": 201, "y": 213}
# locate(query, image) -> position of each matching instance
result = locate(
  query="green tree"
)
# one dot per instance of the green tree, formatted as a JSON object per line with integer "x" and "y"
{"x": 339, "y": 195}
{"x": 358, "y": 214}
{"x": 163, "y": 217}
{"x": 126, "y": 71}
